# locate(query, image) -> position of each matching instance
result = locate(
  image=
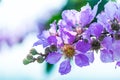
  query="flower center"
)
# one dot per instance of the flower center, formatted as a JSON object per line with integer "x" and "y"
{"x": 117, "y": 36}
{"x": 68, "y": 50}
{"x": 95, "y": 45}
{"x": 115, "y": 25}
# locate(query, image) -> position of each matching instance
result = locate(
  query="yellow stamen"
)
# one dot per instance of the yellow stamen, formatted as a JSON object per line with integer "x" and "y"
{"x": 68, "y": 50}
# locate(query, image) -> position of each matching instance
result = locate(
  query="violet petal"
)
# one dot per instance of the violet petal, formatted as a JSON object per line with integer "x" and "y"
{"x": 52, "y": 40}
{"x": 106, "y": 56}
{"x": 90, "y": 55}
{"x": 96, "y": 29}
{"x": 53, "y": 57}
{"x": 81, "y": 60}
{"x": 65, "y": 67}
{"x": 83, "y": 46}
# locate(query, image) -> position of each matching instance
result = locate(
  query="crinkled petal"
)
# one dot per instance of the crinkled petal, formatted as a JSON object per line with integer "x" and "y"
{"x": 52, "y": 40}
{"x": 87, "y": 14}
{"x": 41, "y": 42}
{"x": 81, "y": 60}
{"x": 106, "y": 56}
{"x": 68, "y": 36}
{"x": 107, "y": 41}
{"x": 65, "y": 67}
{"x": 53, "y": 57}
{"x": 90, "y": 55}
{"x": 95, "y": 9}
{"x": 83, "y": 46}
{"x": 62, "y": 24}
{"x": 70, "y": 17}
{"x": 96, "y": 29}
{"x": 86, "y": 35}
{"x": 53, "y": 28}
{"x": 116, "y": 50}
{"x": 117, "y": 14}
{"x": 60, "y": 42}
{"x": 103, "y": 19}
{"x": 44, "y": 35}
{"x": 110, "y": 9}
{"x": 118, "y": 64}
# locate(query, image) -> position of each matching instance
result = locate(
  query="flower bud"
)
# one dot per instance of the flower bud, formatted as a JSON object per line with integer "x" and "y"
{"x": 53, "y": 48}
{"x": 26, "y": 61}
{"x": 40, "y": 59}
{"x": 115, "y": 26}
{"x": 47, "y": 50}
{"x": 95, "y": 45}
{"x": 33, "y": 51}
{"x": 117, "y": 36}
{"x": 30, "y": 57}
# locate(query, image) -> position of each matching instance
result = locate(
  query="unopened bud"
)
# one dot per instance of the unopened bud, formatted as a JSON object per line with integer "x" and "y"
{"x": 117, "y": 36}
{"x": 26, "y": 61}
{"x": 53, "y": 48}
{"x": 40, "y": 59}
{"x": 30, "y": 57}
{"x": 47, "y": 50}
{"x": 33, "y": 51}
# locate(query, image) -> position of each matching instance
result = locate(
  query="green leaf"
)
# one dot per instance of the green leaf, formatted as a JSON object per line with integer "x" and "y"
{"x": 49, "y": 68}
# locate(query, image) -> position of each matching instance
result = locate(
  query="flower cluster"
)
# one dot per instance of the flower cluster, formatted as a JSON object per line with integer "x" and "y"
{"x": 77, "y": 37}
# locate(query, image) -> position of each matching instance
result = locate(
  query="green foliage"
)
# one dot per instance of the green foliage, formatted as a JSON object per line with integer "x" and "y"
{"x": 49, "y": 68}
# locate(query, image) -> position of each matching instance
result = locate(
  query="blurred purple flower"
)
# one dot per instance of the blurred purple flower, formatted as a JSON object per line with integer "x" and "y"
{"x": 17, "y": 21}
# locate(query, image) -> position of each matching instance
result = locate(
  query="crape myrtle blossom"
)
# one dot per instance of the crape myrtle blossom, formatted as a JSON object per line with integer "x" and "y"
{"x": 63, "y": 40}
{"x": 67, "y": 49}
{"x": 73, "y": 18}
{"x": 110, "y": 19}
{"x": 75, "y": 37}
{"x": 66, "y": 38}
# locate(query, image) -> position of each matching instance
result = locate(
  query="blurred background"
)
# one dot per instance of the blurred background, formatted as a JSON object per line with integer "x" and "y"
{"x": 21, "y": 21}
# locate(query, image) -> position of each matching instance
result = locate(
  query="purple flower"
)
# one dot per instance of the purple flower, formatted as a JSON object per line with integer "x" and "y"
{"x": 68, "y": 50}
{"x": 47, "y": 37}
{"x": 110, "y": 19}
{"x": 71, "y": 18}
{"x": 83, "y": 46}
{"x": 81, "y": 60}
{"x": 117, "y": 64}
{"x": 87, "y": 14}
{"x": 65, "y": 67}
{"x": 96, "y": 29}
{"x": 42, "y": 39}
{"x": 106, "y": 56}
{"x": 53, "y": 57}
{"x": 71, "y": 38}
{"x": 116, "y": 50}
